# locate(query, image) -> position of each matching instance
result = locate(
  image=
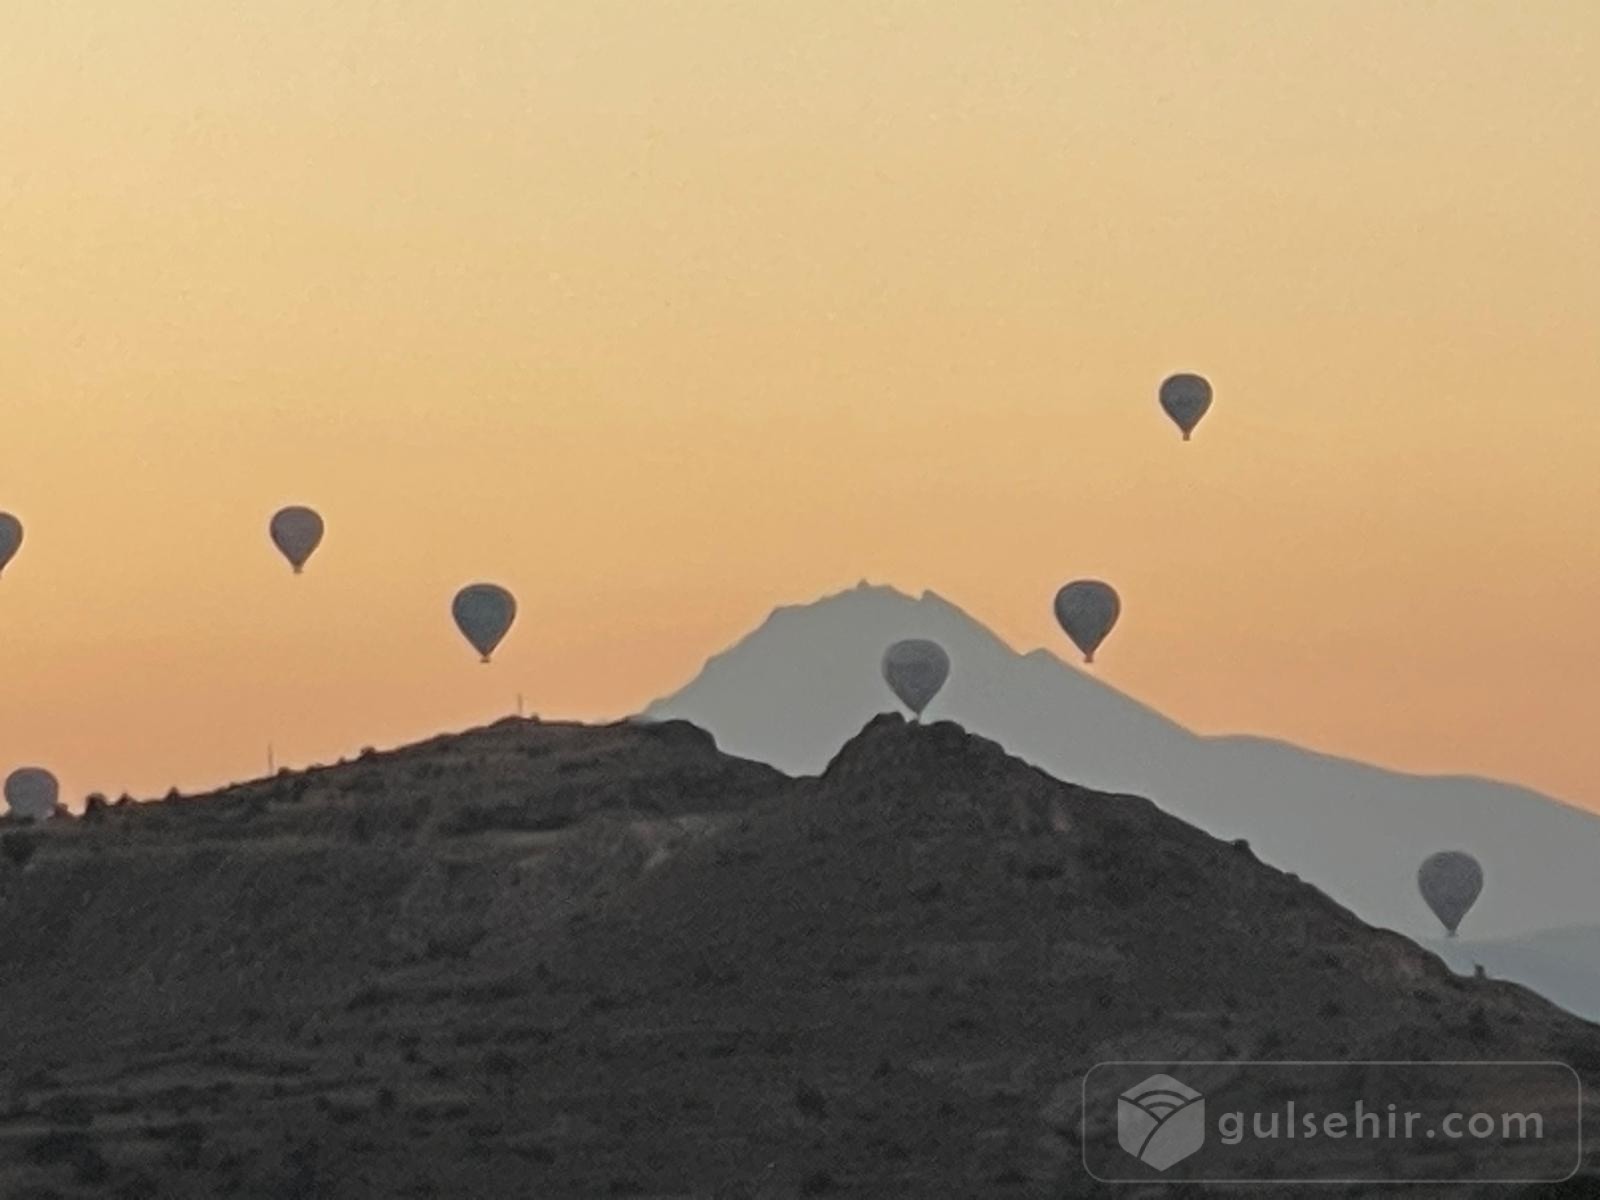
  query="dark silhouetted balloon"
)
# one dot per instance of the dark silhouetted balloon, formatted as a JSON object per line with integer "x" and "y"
{"x": 32, "y": 792}
{"x": 1450, "y": 882}
{"x": 1186, "y": 399}
{"x": 297, "y": 532}
{"x": 483, "y": 613}
{"x": 1088, "y": 610}
{"x": 915, "y": 670}
{"x": 10, "y": 538}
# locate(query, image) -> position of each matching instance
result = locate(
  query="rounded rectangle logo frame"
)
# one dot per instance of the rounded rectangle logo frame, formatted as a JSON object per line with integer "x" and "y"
{"x": 1176, "y": 1121}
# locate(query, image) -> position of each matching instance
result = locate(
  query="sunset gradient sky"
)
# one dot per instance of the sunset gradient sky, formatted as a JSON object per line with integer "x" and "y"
{"x": 665, "y": 313}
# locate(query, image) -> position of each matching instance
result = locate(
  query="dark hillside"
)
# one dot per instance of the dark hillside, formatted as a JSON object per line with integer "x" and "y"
{"x": 642, "y": 968}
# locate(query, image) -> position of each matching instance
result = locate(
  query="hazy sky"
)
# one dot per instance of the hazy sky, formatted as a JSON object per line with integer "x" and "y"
{"x": 662, "y": 314}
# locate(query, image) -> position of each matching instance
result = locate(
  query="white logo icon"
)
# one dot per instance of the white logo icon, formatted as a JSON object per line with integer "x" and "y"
{"x": 1161, "y": 1121}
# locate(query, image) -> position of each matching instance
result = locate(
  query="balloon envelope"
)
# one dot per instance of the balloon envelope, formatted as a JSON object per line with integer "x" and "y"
{"x": 1450, "y": 882}
{"x": 1186, "y": 399}
{"x": 32, "y": 792}
{"x": 297, "y": 532}
{"x": 1087, "y": 611}
{"x": 483, "y": 613}
{"x": 915, "y": 670}
{"x": 10, "y": 538}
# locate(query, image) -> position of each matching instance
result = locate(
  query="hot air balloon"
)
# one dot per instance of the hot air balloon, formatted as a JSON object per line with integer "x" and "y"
{"x": 32, "y": 792}
{"x": 483, "y": 613}
{"x": 1186, "y": 399}
{"x": 1088, "y": 610}
{"x": 297, "y": 532}
{"x": 10, "y": 538}
{"x": 1450, "y": 882}
{"x": 915, "y": 670}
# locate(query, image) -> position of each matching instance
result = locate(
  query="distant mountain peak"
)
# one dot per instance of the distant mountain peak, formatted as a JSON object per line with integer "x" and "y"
{"x": 866, "y": 589}
{"x": 801, "y": 686}
{"x": 863, "y": 587}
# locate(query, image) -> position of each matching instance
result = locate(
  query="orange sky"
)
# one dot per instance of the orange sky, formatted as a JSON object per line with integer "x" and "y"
{"x": 663, "y": 314}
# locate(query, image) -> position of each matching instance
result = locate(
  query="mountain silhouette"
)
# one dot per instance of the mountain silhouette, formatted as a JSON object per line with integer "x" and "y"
{"x": 793, "y": 690}
{"x": 570, "y": 961}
